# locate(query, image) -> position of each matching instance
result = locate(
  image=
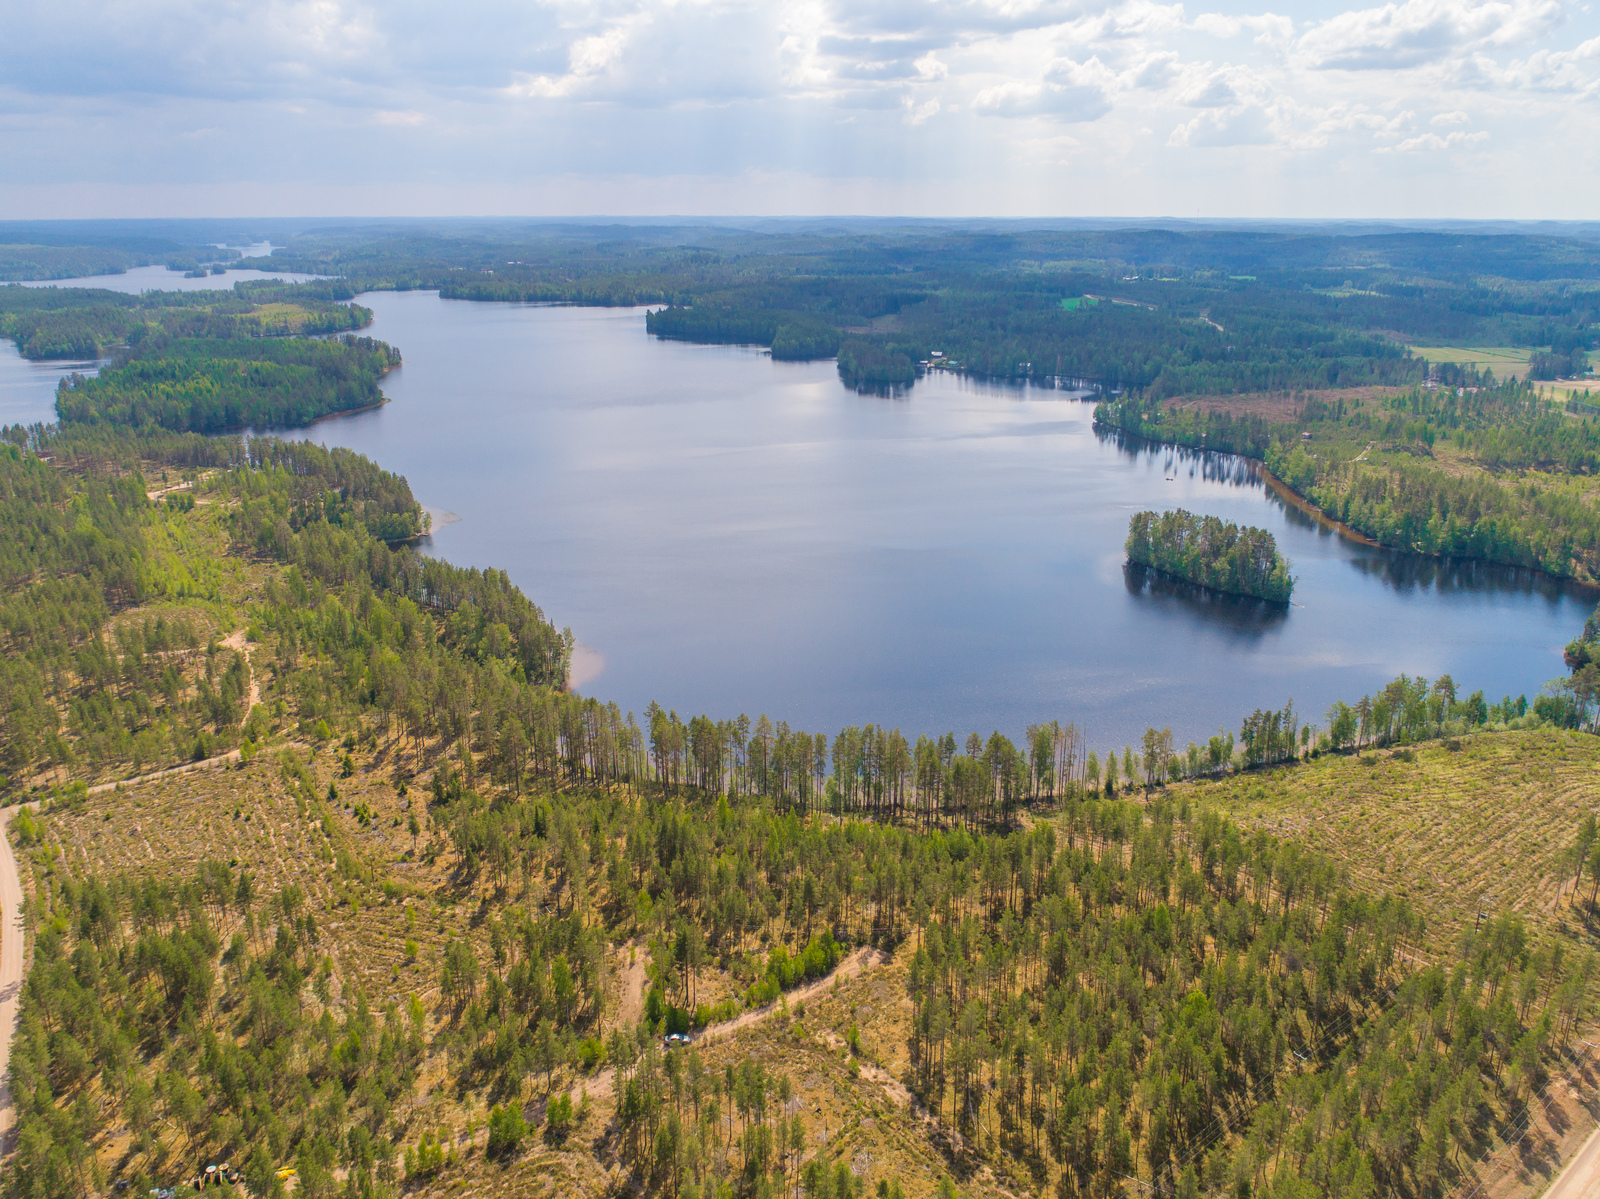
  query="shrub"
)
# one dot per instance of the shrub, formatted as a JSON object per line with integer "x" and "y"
{"x": 426, "y": 1158}
{"x": 507, "y": 1128}
{"x": 591, "y": 1053}
{"x": 558, "y": 1117}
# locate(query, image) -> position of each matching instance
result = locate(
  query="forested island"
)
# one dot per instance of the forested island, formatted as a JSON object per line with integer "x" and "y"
{"x": 62, "y": 322}
{"x": 1204, "y": 550}
{"x": 203, "y": 361}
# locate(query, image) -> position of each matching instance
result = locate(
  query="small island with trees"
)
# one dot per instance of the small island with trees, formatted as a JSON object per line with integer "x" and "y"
{"x": 1214, "y": 554}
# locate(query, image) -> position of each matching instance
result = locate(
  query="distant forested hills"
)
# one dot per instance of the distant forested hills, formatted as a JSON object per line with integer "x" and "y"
{"x": 1164, "y": 312}
{"x": 26, "y": 260}
{"x": 75, "y": 322}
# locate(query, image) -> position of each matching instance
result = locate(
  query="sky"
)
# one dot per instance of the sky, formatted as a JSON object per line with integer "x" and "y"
{"x": 1417, "y": 109}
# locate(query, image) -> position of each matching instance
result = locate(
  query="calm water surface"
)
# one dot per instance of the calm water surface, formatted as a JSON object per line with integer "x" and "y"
{"x": 159, "y": 278}
{"x": 28, "y": 389}
{"x": 728, "y": 534}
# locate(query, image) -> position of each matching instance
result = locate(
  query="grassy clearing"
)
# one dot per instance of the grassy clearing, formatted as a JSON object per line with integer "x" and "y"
{"x": 250, "y": 817}
{"x": 1507, "y": 362}
{"x": 1586, "y": 391}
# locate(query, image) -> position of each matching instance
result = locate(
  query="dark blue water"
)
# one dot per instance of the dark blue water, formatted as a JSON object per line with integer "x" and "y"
{"x": 728, "y": 534}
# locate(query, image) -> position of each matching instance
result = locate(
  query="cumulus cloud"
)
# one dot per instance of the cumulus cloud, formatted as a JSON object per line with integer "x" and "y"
{"x": 1066, "y": 102}
{"x": 1269, "y": 28}
{"x": 1419, "y": 32}
{"x": 510, "y": 90}
{"x": 1238, "y": 127}
{"x": 1154, "y": 71}
{"x": 1432, "y": 141}
{"x": 1212, "y": 90}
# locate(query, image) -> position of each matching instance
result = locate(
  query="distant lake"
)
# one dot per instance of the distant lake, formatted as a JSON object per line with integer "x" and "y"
{"x": 158, "y": 278}
{"x": 728, "y": 534}
{"x": 28, "y": 389}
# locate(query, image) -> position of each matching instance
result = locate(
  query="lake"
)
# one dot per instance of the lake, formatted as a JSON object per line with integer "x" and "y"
{"x": 138, "y": 279}
{"x": 725, "y": 533}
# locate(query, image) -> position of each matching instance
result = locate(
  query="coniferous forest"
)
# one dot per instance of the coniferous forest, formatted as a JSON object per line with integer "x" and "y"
{"x": 332, "y": 875}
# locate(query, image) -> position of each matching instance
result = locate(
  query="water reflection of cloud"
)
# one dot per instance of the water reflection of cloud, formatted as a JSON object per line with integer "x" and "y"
{"x": 588, "y": 664}
{"x": 1234, "y": 616}
{"x": 1046, "y": 387}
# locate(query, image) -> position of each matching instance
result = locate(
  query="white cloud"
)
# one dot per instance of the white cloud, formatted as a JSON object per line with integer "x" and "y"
{"x": 1432, "y": 141}
{"x": 1269, "y": 28}
{"x": 1065, "y": 102}
{"x": 1153, "y": 71}
{"x": 909, "y": 92}
{"x": 1237, "y": 127}
{"x": 1213, "y": 90}
{"x": 1418, "y": 32}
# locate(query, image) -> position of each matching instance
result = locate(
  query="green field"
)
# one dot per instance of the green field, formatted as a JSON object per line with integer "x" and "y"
{"x": 1506, "y": 361}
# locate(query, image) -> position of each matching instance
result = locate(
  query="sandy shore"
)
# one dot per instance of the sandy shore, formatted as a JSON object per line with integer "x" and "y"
{"x": 587, "y": 665}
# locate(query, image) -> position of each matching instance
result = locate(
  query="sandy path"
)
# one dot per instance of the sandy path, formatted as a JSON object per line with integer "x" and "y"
{"x": 633, "y": 981}
{"x": 12, "y": 963}
{"x": 207, "y": 764}
{"x": 235, "y": 642}
{"x": 855, "y": 963}
{"x": 1581, "y": 1178}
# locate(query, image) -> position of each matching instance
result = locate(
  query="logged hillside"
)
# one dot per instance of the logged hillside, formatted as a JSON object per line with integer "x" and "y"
{"x": 1484, "y": 823}
{"x": 330, "y": 871}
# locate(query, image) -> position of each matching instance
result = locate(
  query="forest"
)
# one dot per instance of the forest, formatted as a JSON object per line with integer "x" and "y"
{"x": 1494, "y": 471}
{"x": 207, "y": 385}
{"x": 1212, "y": 553}
{"x": 1169, "y": 313}
{"x": 1106, "y": 979}
{"x": 81, "y": 322}
{"x": 46, "y": 255}
{"x": 427, "y": 921}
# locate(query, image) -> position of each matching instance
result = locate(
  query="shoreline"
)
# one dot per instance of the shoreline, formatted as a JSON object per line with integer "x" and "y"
{"x": 1299, "y": 502}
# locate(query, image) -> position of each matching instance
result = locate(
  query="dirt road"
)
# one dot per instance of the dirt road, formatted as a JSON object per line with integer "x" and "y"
{"x": 853, "y": 964}
{"x": 11, "y": 965}
{"x": 1581, "y": 1178}
{"x": 235, "y": 642}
